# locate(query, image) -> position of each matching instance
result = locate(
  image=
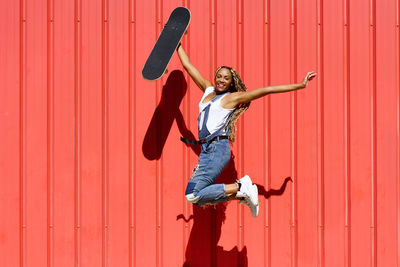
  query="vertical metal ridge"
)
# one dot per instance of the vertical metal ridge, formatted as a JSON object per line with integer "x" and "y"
{"x": 186, "y": 150}
{"x": 22, "y": 133}
{"x": 213, "y": 60}
{"x": 267, "y": 129}
{"x": 398, "y": 126}
{"x": 320, "y": 134}
{"x": 77, "y": 129}
{"x": 213, "y": 39}
{"x": 347, "y": 166}
{"x": 50, "y": 133}
{"x": 293, "y": 122}
{"x": 372, "y": 74}
{"x": 240, "y": 142}
{"x": 132, "y": 133}
{"x": 105, "y": 130}
{"x": 159, "y": 162}
{"x": 214, "y": 49}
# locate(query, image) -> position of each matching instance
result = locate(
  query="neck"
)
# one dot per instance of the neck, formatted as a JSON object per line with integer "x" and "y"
{"x": 220, "y": 93}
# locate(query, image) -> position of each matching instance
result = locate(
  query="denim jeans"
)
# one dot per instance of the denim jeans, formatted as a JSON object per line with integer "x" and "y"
{"x": 213, "y": 159}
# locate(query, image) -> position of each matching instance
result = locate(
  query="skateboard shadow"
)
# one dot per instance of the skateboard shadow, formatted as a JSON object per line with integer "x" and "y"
{"x": 166, "y": 112}
{"x": 202, "y": 248}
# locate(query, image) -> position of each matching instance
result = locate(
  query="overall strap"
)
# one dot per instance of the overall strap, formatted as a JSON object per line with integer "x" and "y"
{"x": 217, "y": 132}
{"x": 212, "y": 136}
{"x": 205, "y": 113}
{"x": 203, "y": 117}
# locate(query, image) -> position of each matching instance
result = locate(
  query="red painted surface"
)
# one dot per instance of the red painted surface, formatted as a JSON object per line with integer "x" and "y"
{"x": 92, "y": 172}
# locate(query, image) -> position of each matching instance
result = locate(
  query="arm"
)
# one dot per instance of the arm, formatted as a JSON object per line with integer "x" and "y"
{"x": 201, "y": 82}
{"x": 237, "y": 98}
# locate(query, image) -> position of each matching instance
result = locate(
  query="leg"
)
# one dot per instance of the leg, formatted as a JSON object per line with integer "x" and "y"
{"x": 234, "y": 197}
{"x": 231, "y": 189}
{"x": 201, "y": 189}
{"x": 230, "y": 192}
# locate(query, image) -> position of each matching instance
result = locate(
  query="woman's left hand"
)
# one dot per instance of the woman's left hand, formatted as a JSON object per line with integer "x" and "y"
{"x": 309, "y": 77}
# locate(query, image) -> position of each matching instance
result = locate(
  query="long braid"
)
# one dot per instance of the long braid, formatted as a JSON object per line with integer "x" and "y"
{"x": 237, "y": 86}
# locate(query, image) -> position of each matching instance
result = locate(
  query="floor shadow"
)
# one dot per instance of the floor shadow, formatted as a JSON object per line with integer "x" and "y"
{"x": 166, "y": 112}
{"x": 273, "y": 192}
{"x": 203, "y": 249}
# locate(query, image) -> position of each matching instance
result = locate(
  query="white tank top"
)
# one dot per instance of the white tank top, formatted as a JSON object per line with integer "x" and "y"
{"x": 217, "y": 115}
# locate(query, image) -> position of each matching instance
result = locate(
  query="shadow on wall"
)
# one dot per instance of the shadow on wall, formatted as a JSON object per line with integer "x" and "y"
{"x": 202, "y": 248}
{"x": 273, "y": 192}
{"x": 166, "y": 112}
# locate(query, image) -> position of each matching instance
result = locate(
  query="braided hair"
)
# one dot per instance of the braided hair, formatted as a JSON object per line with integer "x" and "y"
{"x": 236, "y": 86}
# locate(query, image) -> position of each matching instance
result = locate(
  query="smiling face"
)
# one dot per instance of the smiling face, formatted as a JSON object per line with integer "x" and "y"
{"x": 223, "y": 80}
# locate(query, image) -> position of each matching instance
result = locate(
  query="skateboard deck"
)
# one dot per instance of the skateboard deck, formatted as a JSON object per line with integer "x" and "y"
{"x": 166, "y": 44}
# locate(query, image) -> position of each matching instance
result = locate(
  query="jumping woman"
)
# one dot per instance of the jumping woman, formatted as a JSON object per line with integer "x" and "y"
{"x": 220, "y": 107}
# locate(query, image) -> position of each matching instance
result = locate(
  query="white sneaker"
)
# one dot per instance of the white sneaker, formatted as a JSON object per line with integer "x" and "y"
{"x": 254, "y": 209}
{"x": 248, "y": 190}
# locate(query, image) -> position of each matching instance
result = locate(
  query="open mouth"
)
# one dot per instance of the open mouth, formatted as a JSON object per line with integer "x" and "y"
{"x": 220, "y": 85}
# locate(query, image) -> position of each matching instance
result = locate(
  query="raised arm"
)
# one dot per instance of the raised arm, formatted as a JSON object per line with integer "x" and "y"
{"x": 237, "y": 98}
{"x": 201, "y": 82}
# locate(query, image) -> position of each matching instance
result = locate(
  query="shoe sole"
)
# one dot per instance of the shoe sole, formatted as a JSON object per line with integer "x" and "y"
{"x": 251, "y": 211}
{"x": 255, "y": 189}
{"x": 257, "y": 211}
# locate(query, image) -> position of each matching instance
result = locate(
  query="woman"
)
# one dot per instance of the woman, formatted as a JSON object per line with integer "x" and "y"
{"x": 220, "y": 107}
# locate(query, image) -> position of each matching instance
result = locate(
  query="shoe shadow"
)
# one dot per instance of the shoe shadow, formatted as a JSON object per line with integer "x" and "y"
{"x": 273, "y": 192}
{"x": 163, "y": 117}
{"x": 202, "y": 248}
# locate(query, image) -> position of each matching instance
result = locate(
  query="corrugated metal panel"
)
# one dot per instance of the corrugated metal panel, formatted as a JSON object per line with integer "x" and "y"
{"x": 92, "y": 170}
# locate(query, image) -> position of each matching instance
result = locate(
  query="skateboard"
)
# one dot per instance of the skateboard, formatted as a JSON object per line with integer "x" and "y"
{"x": 168, "y": 41}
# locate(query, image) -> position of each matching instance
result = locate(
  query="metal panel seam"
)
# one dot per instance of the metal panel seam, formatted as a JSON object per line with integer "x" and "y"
{"x": 159, "y": 162}
{"x": 132, "y": 133}
{"x": 293, "y": 133}
{"x": 397, "y": 86}
{"x": 22, "y": 131}
{"x": 320, "y": 134}
{"x": 372, "y": 75}
{"x": 50, "y": 132}
{"x": 213, "y": 34}
{"x": 77, "y": 129}
{"x": 267, "y": 130}
{"x": 240, "y": 143}
{"x": 346, "y": 87}
{"x": 186, "y": 150}
{"x": 105, "y": 129}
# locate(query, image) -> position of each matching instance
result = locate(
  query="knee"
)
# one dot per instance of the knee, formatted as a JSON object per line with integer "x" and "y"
{"x": 192, "y": 198}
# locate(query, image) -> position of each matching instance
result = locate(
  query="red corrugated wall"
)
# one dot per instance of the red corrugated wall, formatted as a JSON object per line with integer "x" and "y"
{"x": 92, "y": 172}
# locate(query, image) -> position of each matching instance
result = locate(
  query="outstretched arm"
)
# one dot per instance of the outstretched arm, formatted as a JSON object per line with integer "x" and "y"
{"x": 235, "y": 99}
{"x": 201, "y": 82}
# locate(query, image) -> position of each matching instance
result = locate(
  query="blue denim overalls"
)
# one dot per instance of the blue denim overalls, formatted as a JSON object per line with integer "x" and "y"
{"x": 215, "y": 155}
